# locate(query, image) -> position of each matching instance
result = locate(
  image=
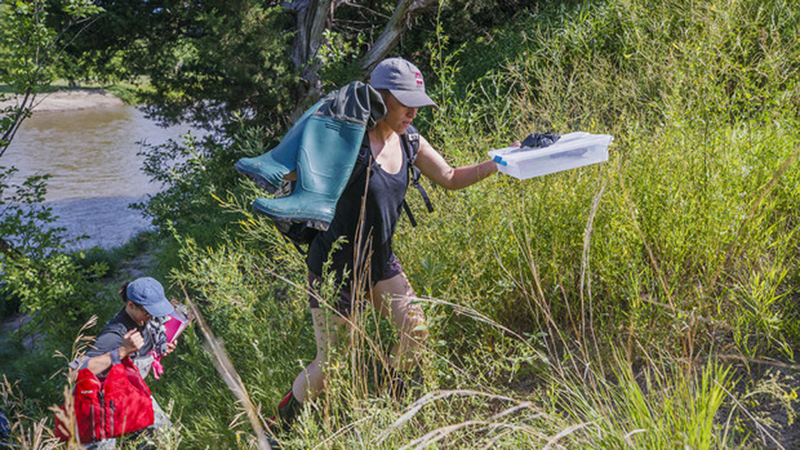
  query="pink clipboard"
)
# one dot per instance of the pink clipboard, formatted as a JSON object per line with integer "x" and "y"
{"x": 175, "y": 324}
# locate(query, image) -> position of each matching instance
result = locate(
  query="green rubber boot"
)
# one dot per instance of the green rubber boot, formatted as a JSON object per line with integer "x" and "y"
{"x": 268, "y": 169}
{"x": 328, "y": 150}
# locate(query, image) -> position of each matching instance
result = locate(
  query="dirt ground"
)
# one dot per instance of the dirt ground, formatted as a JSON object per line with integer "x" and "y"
{"x": 773, "y": 406}
{"x": 71, "y": 100}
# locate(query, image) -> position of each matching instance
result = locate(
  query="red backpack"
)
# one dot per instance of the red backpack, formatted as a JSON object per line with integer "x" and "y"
{"x": 117, "y": 405}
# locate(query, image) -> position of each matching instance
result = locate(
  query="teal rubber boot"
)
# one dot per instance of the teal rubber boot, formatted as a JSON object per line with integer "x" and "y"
{"x": 328, "y": 148}
{"x": 267, "y": 170}
{"x": 322, "y": 173}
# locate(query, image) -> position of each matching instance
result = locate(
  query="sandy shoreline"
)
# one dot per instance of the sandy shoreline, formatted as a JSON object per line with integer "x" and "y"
{"x": 71, "y": 100}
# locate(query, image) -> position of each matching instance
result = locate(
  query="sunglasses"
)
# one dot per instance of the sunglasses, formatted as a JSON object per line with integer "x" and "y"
{"x": 142, "y": 309}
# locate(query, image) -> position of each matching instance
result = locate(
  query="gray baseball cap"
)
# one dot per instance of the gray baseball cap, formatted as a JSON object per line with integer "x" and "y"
{"x": 403, "y": 80}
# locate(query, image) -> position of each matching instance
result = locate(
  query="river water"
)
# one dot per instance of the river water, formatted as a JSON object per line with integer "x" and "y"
{"x": 91, "y": 155}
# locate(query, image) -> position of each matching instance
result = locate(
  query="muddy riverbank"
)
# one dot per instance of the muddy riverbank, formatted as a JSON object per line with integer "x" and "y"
{"x": 70, "y": 100}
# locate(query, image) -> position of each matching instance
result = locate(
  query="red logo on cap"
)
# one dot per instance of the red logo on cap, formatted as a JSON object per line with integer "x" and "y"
{"x": 418, "y": 76}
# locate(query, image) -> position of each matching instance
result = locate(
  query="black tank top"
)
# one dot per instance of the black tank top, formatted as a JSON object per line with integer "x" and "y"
{"x": 384, "y": 202}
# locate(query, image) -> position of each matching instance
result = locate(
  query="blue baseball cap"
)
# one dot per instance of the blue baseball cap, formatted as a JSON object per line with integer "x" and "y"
{"x": 148, "y": 293}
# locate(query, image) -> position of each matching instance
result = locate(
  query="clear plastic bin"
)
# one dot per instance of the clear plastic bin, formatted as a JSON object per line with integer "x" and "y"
{"x": 571, "y": 151}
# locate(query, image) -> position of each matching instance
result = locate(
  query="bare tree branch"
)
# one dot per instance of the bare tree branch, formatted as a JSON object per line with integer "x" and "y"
{"x": 406, "y": 10}
{"x": 315, "y": 16}
{"x": 7, "y": 249}
{"x": 21, "y": 112}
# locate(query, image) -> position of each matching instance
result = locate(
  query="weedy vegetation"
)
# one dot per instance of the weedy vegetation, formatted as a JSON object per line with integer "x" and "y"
{"x": 647, "y": 302}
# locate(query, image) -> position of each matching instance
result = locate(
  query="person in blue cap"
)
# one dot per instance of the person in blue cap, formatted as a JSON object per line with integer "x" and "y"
{"x": 132, "y": 333}
{"x": 384, "y": 149}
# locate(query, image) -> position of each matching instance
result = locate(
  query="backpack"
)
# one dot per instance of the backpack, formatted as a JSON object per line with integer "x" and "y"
{"x": 117, "y": 405}
{"x": 301, "y": 234}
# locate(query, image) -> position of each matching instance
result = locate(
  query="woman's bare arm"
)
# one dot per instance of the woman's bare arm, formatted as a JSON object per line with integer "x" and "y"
{"x": 434, "y": 166}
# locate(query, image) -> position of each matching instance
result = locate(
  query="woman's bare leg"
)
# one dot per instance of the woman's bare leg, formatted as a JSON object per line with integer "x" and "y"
{"x": 310, "y": 382}
{"x": 394, "y": 298}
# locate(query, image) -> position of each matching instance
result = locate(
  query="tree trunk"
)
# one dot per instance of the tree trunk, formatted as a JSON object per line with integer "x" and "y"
{"x": 313, "y": 19}
{"x": 406, "y": 10}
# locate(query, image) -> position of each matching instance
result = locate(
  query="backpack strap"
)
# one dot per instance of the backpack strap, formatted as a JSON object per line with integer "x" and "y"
{"x": 410, "y": 145}
{"x": 363, "y": 160}
{"x": 410, "y": 141}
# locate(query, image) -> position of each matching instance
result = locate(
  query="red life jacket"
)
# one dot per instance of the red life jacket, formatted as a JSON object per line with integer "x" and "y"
{"x": 117, "y": 405}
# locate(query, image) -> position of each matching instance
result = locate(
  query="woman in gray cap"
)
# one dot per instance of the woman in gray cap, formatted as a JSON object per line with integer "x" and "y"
{"x": 387, "y": 149}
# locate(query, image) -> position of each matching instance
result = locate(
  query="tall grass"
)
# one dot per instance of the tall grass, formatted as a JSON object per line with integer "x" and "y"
{"x": 599, "y": 307}
{"x": 592, "y": 308}
{"x": 626, "y": 304}
{"x": 698, "y": 197}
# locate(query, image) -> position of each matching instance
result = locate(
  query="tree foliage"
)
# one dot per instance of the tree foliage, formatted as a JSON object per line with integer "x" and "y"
{"x": 30, "y": 50}
{"x": 266, "y": 59}
{"x": 36, "y": 270}
{"x": 204, "y": 60}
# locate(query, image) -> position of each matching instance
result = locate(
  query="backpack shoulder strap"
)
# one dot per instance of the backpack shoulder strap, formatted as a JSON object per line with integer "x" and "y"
{"x": 410, "y": 141}
{"x": 363, "y": 161}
